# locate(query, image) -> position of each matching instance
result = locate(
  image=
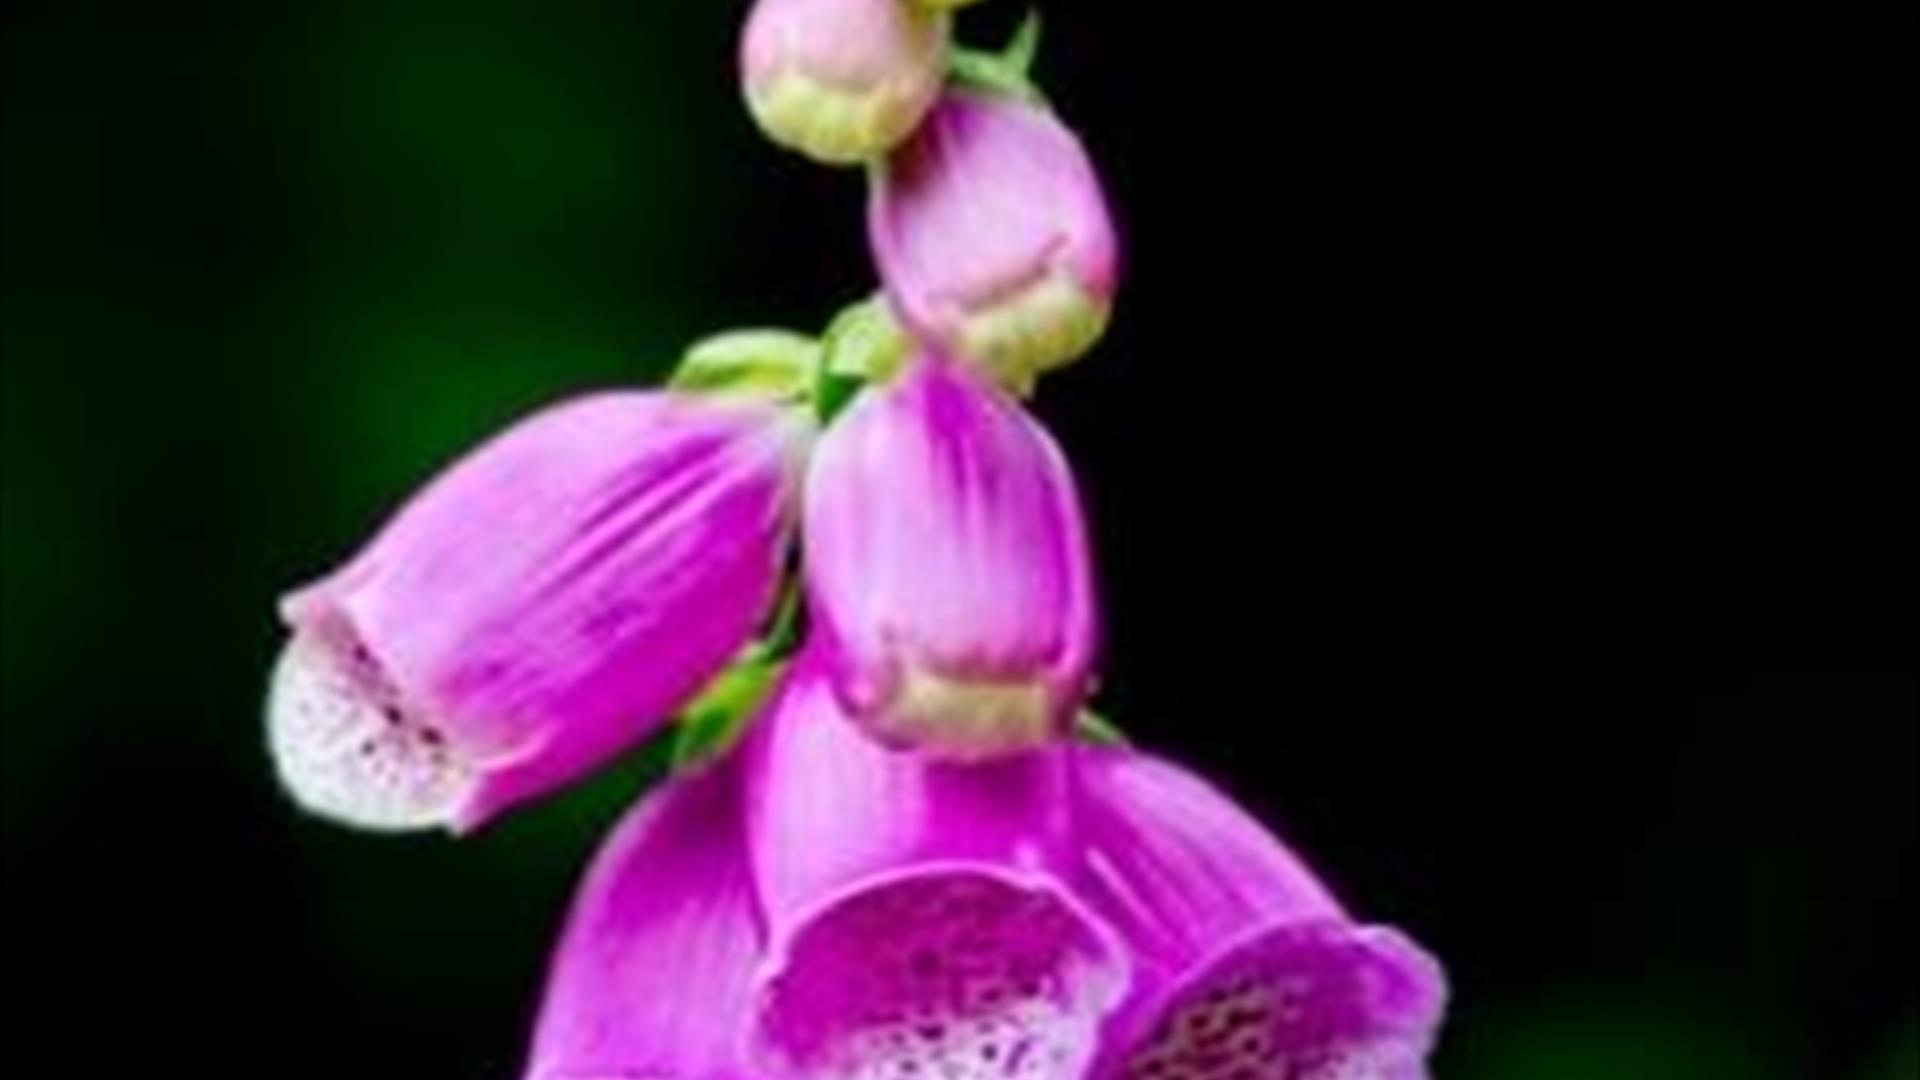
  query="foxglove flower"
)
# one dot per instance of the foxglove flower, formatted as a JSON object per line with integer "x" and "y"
{"x": 538, "y": 607}
{"x": 1246, "y": 966}
{"x": 919, "y": 920}
{"x": 654, "y": 972}
{"x": 947, "y": 566}
{"x": 841, "y": 81}
{"x": 993, "y": 238}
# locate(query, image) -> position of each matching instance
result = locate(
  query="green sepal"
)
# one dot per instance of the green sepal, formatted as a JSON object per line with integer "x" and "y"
{"x": 766, "y": 363}
{"x": 831, "y": 393}
{"x": 1024, "y": 46}
{"x": 711, "y": 724}
{"x": 862, "y": 344}
{"x": 787, "y": 623}
{"x": 1007, "y": 71}
{"x": 1093, "y": 728}
{"x": 864, "y": 341}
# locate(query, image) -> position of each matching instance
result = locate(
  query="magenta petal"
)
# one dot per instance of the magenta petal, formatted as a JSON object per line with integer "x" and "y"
{"x": 1179, "y": 866}
{"x": 920, "y": 922}
{"x": 948, "y": 566}
{"x": 1246, "y": 965}
{"x": 654, "y": 972}
{"x": 536, "y": 608}
{"x": 1305, "y": 1001}
{"x": 993, "y": 237}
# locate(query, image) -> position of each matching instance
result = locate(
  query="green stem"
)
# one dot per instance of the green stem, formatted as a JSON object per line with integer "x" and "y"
{"x": 783, "y": 629}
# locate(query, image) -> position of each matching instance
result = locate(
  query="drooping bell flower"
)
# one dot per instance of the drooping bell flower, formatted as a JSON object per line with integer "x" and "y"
{"x": 841, "y": 81}
{"x": 541, "y": 605}
{"x": 947, "y": 566}
{"x": 1245, "y": 964}
{"x": 993, "y": 237}
{"x": 919, "y": 923}
{"x": 653, "y": 975}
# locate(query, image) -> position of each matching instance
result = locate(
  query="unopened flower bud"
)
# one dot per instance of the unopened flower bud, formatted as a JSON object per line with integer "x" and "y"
{"x": 947, "y": 567}
{"x": 993, "y": 237}
{"x": 841, "y": 81}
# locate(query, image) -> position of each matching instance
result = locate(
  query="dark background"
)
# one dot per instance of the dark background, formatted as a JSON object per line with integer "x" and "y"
{"x": 1497, "y": 462}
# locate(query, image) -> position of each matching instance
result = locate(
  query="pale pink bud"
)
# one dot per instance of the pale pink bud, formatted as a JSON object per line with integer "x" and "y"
{"x": 993, "y": 237}
{"x": 948, "y": 567}
{"x": 841, "y": 81}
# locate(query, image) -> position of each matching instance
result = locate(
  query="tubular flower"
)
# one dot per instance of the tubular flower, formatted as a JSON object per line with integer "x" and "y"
{"x": 541, "y": 605}
{"x": 947, "y": 567}
{"x": 919, "y": 921}
{"x": 655, "y": 967}
{"x": 1246, "y": 966}
{"x": 892, "y": 845}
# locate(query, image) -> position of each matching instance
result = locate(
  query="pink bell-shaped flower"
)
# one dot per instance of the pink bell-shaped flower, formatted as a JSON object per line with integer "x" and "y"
{"x": 654, "y": 973}
{"x": 1245, "y": 965}
{"x": 919, "y": 912}
{"x": 947, "y": 567}
{"x": 540, "y": 606}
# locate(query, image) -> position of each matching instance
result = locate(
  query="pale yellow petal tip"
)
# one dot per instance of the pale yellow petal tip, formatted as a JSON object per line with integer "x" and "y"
{"x": 346, "y": 751}
{"x": 1045, "y": 325}
{"x": 967, "y": 720}
{"x": 836, "y": 126}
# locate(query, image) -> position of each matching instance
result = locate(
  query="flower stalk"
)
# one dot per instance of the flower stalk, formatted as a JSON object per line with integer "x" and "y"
{"x": 852, "y": 572}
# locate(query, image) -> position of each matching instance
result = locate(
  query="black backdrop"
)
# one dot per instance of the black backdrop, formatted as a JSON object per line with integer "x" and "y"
{"x": 1499, "y": 465}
